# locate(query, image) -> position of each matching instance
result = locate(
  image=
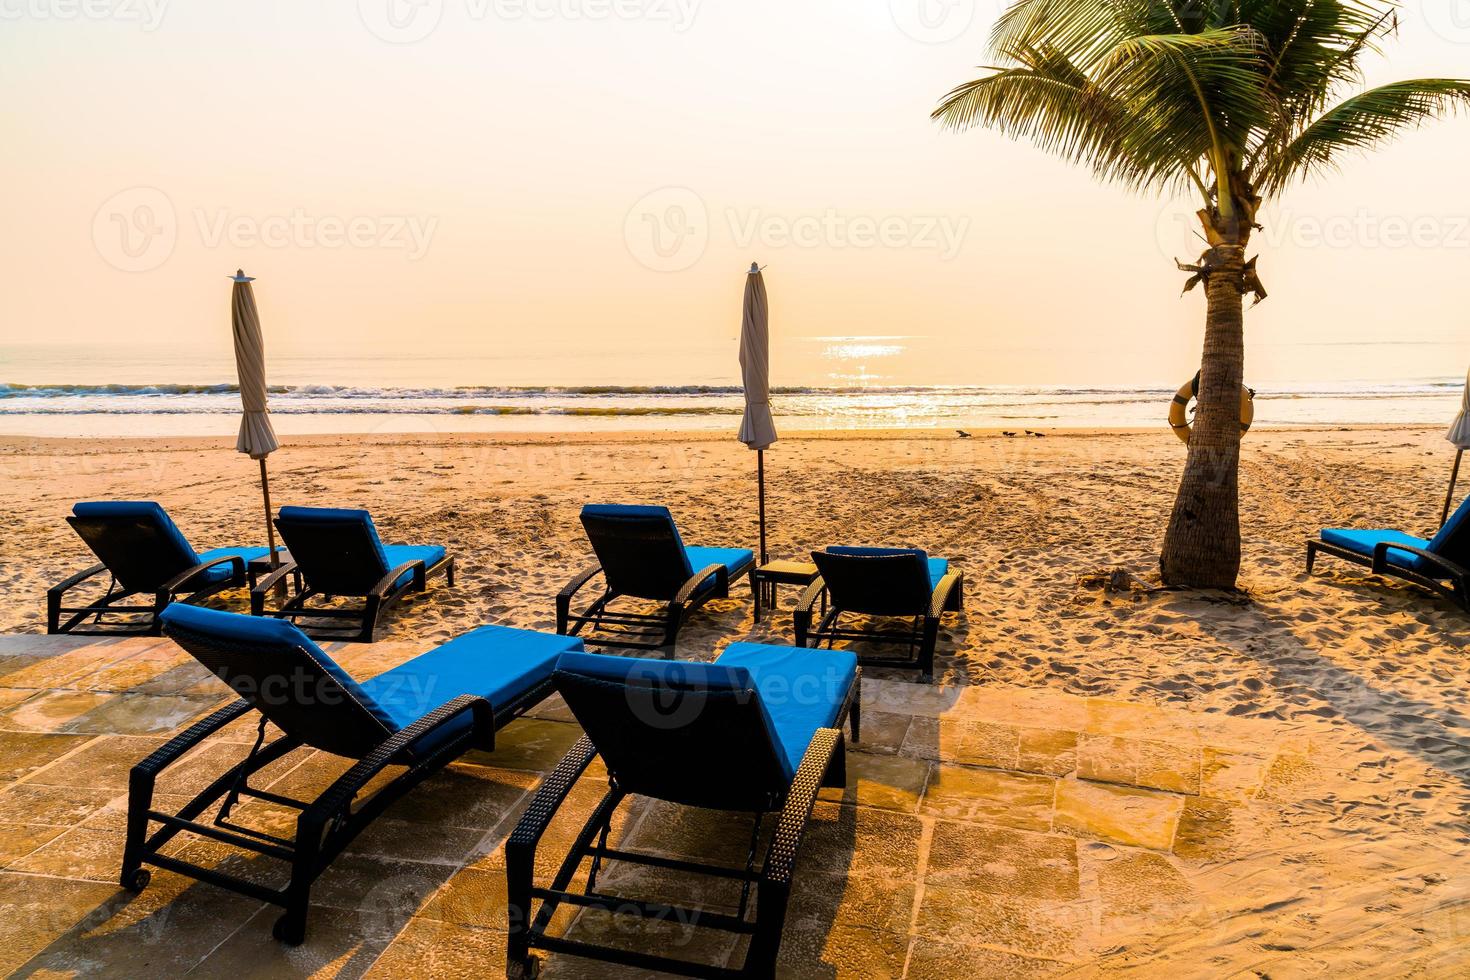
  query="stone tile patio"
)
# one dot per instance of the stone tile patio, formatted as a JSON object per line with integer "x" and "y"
{"x": 983, "y": 831}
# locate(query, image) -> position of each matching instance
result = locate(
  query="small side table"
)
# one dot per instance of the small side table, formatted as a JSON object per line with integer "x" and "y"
{"x": 258, "y": 568}
{"x": 763, "y": 581}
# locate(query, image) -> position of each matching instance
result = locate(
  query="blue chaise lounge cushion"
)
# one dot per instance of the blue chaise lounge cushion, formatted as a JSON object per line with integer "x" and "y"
{"x": 935, "y": 568}
{"x": 798, "y": 691}
{"x": 1364, "y": 543}
{"x": 183, "y": 553}
{"x": 497, "y": 663}
{"x": 801, "y": 690}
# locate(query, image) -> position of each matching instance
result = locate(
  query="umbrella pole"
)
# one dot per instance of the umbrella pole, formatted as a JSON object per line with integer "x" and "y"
{"x": 1454, "y": 478}
{"x": 270, "y": 529}
{"x": 760, "y": 469}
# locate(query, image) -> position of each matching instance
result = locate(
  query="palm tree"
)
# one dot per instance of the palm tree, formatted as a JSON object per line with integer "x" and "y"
{"x": 1232, "y": 100}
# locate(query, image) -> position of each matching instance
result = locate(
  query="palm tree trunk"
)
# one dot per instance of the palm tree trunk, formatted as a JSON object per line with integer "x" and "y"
{"x": 1202, "y": 546}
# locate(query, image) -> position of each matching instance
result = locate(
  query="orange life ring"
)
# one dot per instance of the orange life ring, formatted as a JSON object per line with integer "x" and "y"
{"x": 1179, "y": 415}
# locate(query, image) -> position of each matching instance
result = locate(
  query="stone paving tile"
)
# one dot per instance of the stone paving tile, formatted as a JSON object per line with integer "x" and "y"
{"x": 1008, "y": 799}
{"x": 532, "y": 744}
{"x": 473, "y": 896}
{"x": 51, "y": 806}
{"x": 1023, "y": 707}
{"x": 12, "y": 696}
{"x": 340, "y": 943}
{"x": 36, "y": 912}
{"x": 1122, "y": 815}
{"x": 1292, "y": 778}
{"x": 22, "y": 753}
{"x": 841, "y": 951}
{"x": 19, "y": 839}
{"x": 1049, "y": 751}
{"x": 819, "y": 898}
{"x": 665, "y": 937}
{"x": 1169, "y": 766}
{"x": 164, "y": 931}
{"x": 932, "y": 960}
{"x": 887, "y": 782}
{"x": 1233, "y": 776}
{"x": 401, "y": 840}
{"x": 433, "y": 948}
{"x": 1003, "y": 862}
{"x": 969, "y": 917}
{"x": 134, "y": 714}
{"x": 52, "y": 711}
{"x": 882, "y": 732}
{"x": 1141, "y": 884}
{"x": 85, "y": 853}
{"x": 103, "y": 763}
{"x": 861, "y": 841}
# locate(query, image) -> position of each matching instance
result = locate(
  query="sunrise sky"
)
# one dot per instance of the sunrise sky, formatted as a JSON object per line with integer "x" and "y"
{"x": 534, "y": 176}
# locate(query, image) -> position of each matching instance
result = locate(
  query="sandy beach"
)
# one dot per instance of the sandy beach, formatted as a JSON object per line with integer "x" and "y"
{"x": 1345, "y": 851}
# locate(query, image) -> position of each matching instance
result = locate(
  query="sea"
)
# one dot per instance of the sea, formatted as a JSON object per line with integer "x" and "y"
{"x": 52, "y": 390}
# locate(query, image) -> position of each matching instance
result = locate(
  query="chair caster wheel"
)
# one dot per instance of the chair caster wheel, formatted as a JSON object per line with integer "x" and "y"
{"x": 288, "y": 932}
{"x": 138, "y": 880}
{"x": 527, "y": 969}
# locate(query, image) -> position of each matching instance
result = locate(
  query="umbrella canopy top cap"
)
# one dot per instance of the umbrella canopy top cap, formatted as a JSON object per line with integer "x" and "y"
{"x": 240, "y": 276}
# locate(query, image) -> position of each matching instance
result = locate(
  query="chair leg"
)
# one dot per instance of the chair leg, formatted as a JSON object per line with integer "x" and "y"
{"x": 140, "y": 801}
{"x": 290, "y": 928}
{"x": 765, "y": 945}
{"x": 671, "y": 629}
{"x": 855, "y": 716}
{"x": 449, "y": 573}
{"x": 926, "y": 649}
{"x": 1311, "y": 556}
{"x": 369, "y": 619}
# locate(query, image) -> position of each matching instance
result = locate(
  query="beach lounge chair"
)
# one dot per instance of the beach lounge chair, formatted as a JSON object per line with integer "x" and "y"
{"x": 335, "y": 554}
{"x": 884, "y": 583}
{"x": 1440, "y": 564}
{"x": 421, "y": 715}
{"x": 146, "y": 555}
{"x": 757, "y": 732}
{"x": 641, "y": 556}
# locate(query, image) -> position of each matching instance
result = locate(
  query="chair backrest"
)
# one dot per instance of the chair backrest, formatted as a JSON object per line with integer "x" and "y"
{"x": 137, "y": 541}
{"x": 876, "y": 581}
{"x": 639, "y": 549}
{"x": 1453, "y": 540}
{"x": 338, "y": 551}
{"x": 693, "y": 734}
{"x": 284, "y": 675}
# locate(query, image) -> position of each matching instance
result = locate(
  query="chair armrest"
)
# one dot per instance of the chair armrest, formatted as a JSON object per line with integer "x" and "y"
{"x": 170, "y": 752}
{"x": 177, "y": 583}
{"x": 264, "y": 586}
{"x": 385, "y": 584}
{"x": 345, "y": 789}
{"x": 942, "y": 591}
{"x": 722, "y": 582}
{"x": 791, "y": 827}
{"x": 809, "y": 598}
{"x": 67, "y": 584}
{"x": 553, "y": 793}
{"x": 576, "y": 584}
{"x": 1380, "y": 559}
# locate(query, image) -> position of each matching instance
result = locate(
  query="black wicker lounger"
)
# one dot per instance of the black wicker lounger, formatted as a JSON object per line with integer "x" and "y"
{"x": 421, "y": 715}
{"x": 757, "y": 732}
{"x": 145, "y": 555}
{"x": 1440, "y": 564}
{"x": 337, "y": 553}
{"x": 882, "y": 582}
{"x": 640, "y": 555}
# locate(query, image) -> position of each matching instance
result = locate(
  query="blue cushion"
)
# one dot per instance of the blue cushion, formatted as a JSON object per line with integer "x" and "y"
{"x": 937, "y": 567}
{"x": 801, "y": 690}
{"x": 1452, "y": 527}
{"x": 497, "y": 663}
{"x": 1363, "y": 543}
{"x": 673, "y": 673}
{"x": 267, "y": 632}
{"x": 145, "y": 510}
{"x": 397, "y": 554}
{"x": 734, "y": 560}
{"x": 340, "y": 515}
{"x": 221, "y": 573}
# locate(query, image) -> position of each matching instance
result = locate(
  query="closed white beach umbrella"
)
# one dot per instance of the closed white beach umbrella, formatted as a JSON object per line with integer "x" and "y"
{"x": 757, "y": 428}
{"x": 257, "y": 438}
{"x": 1459, "y": 434}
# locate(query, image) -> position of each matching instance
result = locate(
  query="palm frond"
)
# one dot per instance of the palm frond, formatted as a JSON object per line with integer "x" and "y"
{"x": 1358, "y": 124}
